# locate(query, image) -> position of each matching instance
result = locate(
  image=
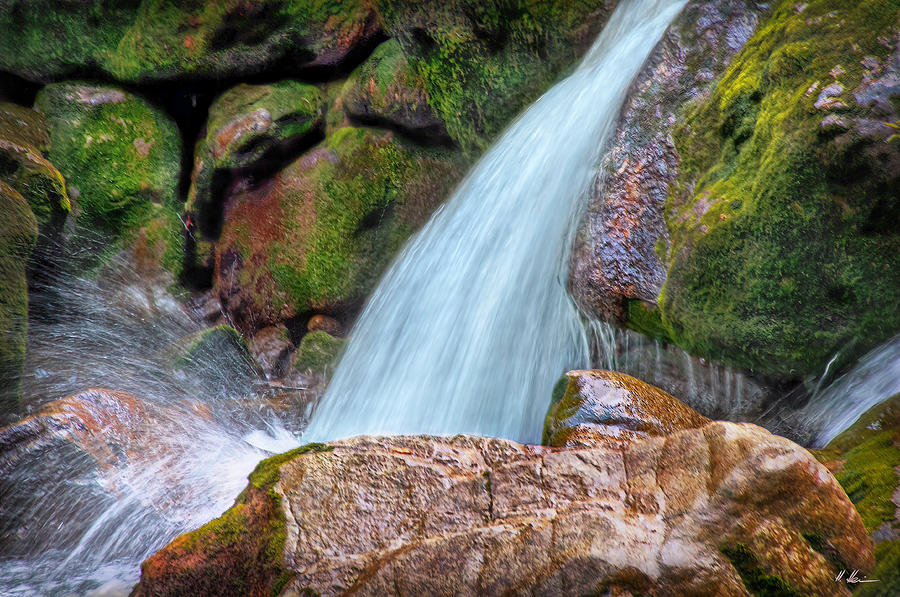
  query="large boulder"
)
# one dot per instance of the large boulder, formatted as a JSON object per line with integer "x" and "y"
{"x": 386, "y": 90}
{"x": 606, "y": 408}
{"x": 120, "y": 156}
{"x": 724, "y": 508}
{"x": 317, "y": 236}
{"x": 18, "y": 233}
{"x": 865, "y": 459}
{"x": 147, "y": 40}
{"x": 249, "y": 129}
{"x": 482, "y": 62}
{"x": 772, "y": 241}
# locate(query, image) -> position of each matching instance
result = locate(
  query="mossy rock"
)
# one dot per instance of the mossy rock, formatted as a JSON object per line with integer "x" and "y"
{"x": 151, "y": 40}
{"x": 785, "y": 232}
{"x": 239, "y": 554}
{"x": 318, "y": 352}
{"x": 334, "y": 218}
{"x": 193, "y": 351}
{"x": 865, "y": 459}
{"x": 18, "y": 233}
{"x": 248, "y": 126}
{"x": 482, "y": 62}
{"x": 387, "y": 90}
{"x": 120, "y": 155}
{"x": 24, "y": 139}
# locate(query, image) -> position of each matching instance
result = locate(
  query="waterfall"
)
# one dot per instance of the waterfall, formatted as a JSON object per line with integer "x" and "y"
{"x": 472, "y": 324}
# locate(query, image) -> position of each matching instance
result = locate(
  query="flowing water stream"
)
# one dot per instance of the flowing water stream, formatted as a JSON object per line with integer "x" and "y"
{"x": 472, "y": 325}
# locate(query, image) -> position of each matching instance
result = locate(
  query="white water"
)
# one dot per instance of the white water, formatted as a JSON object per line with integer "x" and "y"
{"x": 472, "y": 325}
{"x": 872, "y": 380}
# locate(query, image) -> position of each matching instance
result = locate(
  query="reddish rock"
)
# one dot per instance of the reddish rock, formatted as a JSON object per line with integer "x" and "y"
{"x": 323, "y": 323}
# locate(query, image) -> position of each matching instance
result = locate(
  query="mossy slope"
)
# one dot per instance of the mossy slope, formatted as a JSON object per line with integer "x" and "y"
{"x": 784, "y": 228}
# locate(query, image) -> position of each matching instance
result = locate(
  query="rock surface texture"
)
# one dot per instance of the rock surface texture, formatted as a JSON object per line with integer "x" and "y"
{"x": 722, "y": 509}
{"x": 605, "y": 408}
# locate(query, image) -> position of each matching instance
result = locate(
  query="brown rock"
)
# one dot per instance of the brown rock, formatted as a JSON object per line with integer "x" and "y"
{"x": 271, "y": 347}
{"x": 324, "y": 323}
{"x": 700, "y": 511}
{"x": 605, "y": 408}
{"x": 615, "y": 257}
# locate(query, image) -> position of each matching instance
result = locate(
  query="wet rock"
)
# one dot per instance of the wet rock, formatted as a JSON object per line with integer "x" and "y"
{"x": 271, "y": 347}
{"x": 481, "y": 64}
{"x": 217, "y": 355}
{"x": 142, "y": 41}
{"x": 24, "y": 139}
{"x": 387, "y": 90}
{"x": 865, "y": 459}
{"x": 609, "y": 409}
{"x": 18, "y": 233}
{"x": 829, "y": 98}
{"x": 737, "y": 234}
{"x": 616, "y": 258}
{"x": 724, "y": 506}
{"x": 318, "y": 353}
{"x": 317, "y": 236}
{"x": 324, "y": 323}
{"x": 120, "y": 156}
{"x": 250, "y": 128}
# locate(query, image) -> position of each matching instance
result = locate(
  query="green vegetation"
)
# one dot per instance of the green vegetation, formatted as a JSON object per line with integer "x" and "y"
{"x": 482, "y": 62}
{"x": 755, "y": 578}
{"x": 318, "y": 352}
{"x": 18, "y": 233}
{"x": 119, "y": 155}
{"x": 785, "y": 248}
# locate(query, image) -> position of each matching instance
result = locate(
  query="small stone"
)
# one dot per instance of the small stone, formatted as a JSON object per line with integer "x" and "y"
{"x": 325, "y": 324}
{"x": 836, "y": 72}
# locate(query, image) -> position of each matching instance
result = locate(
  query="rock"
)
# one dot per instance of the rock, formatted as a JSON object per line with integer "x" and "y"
{"x": 218, "y": 355}
{"x": 144, "y": 41}
{"x": 770, "y": 243}
{"x": 828, "y": 99}
{"x": 481, "y": 63}
{"x": 271, "y": 347}
{"x": 386, "y": 90}
{"x": 24, "y": 139}
{"x": 318, "y": 353}
{"x": 605, "y": 408}
{"x": 725, "y": 505}
{"x": 865, "y": 459}
{"x": 615, "y": 267}
{"x": 120, "y": 156}
{"x": 18, "y": 233}
{"x": 317, "y": 236}
{"x": 325, "y": 324}
{"x": 250, "y": 128}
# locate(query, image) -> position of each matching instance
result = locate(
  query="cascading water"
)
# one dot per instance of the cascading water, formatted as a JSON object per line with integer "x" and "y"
{"x": 472, "y": 325}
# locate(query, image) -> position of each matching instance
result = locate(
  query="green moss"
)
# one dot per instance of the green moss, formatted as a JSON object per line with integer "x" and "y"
{"x": 119, "y": 155}
{"x": 369, "y": 191}
{"x": 887, "y": 572}
{"x": 23, "y": 137}
{"x": 781, "y": 253}
{"x": 318, "y": 352}
{"x": 560, "y": 389}
{"x": 267, "y": 472}
{"x": 18, "y": 233}
{"x": 645, "y": 319}
{"x": 756, "y": 580}
{"x": 482, "y": 62}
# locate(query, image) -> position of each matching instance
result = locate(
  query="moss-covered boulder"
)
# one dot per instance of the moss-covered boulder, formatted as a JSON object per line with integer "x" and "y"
{"x": 481, "y": 63}
{"x": 318, "y": 353}
{"x": 146, "y": 40}
{"x": 120, "y": 155}
{"x": 215, "y": 351}
{"x": 18, "y": 233}
{"x": 606, "y": 408}
{"x": 24, "y": 141}
{"x": 865, "y": 459}
{"x": 250, "y": 126}
{"x": 784, "y": 219}
{"x": 319, "y": 234}
{"x": 386, "y": 90}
